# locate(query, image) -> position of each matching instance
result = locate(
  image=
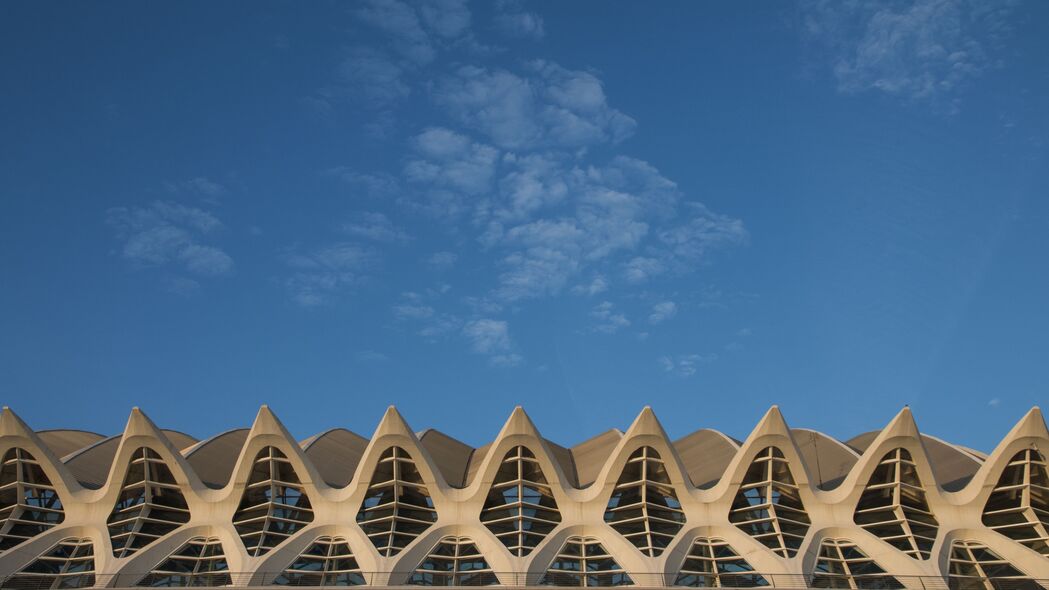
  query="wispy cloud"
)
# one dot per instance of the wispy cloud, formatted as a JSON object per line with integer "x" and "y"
{"x": 371, "y": 356}
{"x": 320, "y": 275}
{"x": 684, "y": 365}
{"x": 441, "y": 261}
{"x": 609, "y": 321}
{"x": 547, "y": 106}
{"x": 596, "y": 286}
{"x": 492, "y": 338}
{"x": 167, "y": 233}
{"x": 447, "y": 167}
{"x": 375, "y": 226}
{"x": 662, "y": 311}
{"x": 922, "y": 50}
{"x": 513, "y": 21}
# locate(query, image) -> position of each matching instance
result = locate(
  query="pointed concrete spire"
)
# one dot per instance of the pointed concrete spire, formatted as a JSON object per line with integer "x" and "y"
{"x": 771, "y": 423}
{"x": 903, "y": 424}
{"x": 12, "y": 425}
{"x": 1032, "y": 424}
{"x": 393, "y": 423}
{"x": 139, "y": 424}
{"x": 266, "y": 422}
{"x": 646, "y": 423}
{"x": 519, "y": 423}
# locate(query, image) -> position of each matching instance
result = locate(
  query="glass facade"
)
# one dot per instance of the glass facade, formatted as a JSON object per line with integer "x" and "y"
{"x": 768, "y": 506}
{"x": 520, "y": 508}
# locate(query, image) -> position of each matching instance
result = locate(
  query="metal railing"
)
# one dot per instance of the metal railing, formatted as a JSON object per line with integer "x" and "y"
{"x": 516, "y": 580}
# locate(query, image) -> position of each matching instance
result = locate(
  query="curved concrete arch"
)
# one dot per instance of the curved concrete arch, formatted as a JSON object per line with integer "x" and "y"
{"x": 336, "y": 467}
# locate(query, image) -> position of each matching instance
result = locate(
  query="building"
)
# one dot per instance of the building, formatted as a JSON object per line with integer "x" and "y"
{"x": 787, "y": 508}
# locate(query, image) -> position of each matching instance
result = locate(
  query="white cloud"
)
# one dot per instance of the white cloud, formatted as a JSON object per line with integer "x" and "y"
{"x": 608, "y": 320}
{"x": 320, "y": 275}
{"x": 640, "y": 269}
{"x": 512, "y": 21}
{"x": 441, "y": 261}
{"x": 994, "y": 402}
{"x": 492, "y": 338}
{"x": 704, "y": 232}
{"x": 169, "y": 233}
{"x": 373, "y": 76}
{"x": 371, "y": 356}
{"x": 446, "y": 18}
{"x": 598, "y": 285}
{"x": 684, "y": 365}
{"x": 375, "y": 226}
{"x": 662, "y": 311}
{"x": 413, "y": 312}
{"x": 400, "y": 21}
{"x": 550, "y": 106}
{"x": 446, "y": 158}
{"x": 917, "y": 50}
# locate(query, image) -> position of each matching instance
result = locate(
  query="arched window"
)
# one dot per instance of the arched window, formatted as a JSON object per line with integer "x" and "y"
{"x": 841, "y": 564}
{"x": 454, "y": 561}
{"x": 893, "y": 506}
{"x": 644, "y": 507}
{"x": 150, "y": 504}
{"x": 328, "y": 561}
{"x": 973, "y": 566}
{"x": 68, "y": 564}
{"x": 274, "y": 505}
{"x": 397, "y": 507}
{"x": 520, "y": 509}
{"x": 29, "y": 504}
{"x": 583, "y": 561}
{"x": 198, "y": 562}
{"x": 768, "y": 506}
{"x": 1019, "y": 505}
{"x": 713, "y": 563}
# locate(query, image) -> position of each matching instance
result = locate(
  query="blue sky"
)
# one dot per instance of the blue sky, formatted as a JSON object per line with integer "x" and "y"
{"x": 582, "y": 208}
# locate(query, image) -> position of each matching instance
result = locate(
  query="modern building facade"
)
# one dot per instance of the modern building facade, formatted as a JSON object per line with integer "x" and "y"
{"x": 787, "y": 508}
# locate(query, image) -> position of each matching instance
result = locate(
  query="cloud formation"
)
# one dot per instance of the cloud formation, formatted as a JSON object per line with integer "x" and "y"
{"x": 492, "y": 338}
{"x": 546, "y": 106}
{"x": 609, "y": 321}
{"x": 167, "y": 233}
{"x": 921, "y": 50}
{"x": 662, "y": 311}
{"x": 684, "y": 365}
{"x": 319, "y": 275}
{"x": 375, "y": 226}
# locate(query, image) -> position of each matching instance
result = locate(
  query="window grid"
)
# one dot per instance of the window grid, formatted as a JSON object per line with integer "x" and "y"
{"x": 768, "y": 505}
{"x": 68, "y": 564}
{"x": 199, "y": 562}
{"x": 644, "y": 507}
{"x": 893, "y": 506}
{"x": 841, "y": 564}
{"x": 713, "y": 563}
{"x": 397, "y": 507}
{"x": 150, "y": 504}
{"x": 274, "y": 505}
{"x": 328, "y": 561}
{"x": 973, "y": 565}
{"x": 1019, "y": 505}
{"x": 583, "y": 561}
{"x": 454, "y": 561}
{"x": 29, "y": 504}
{"x": 520, "y": 509}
